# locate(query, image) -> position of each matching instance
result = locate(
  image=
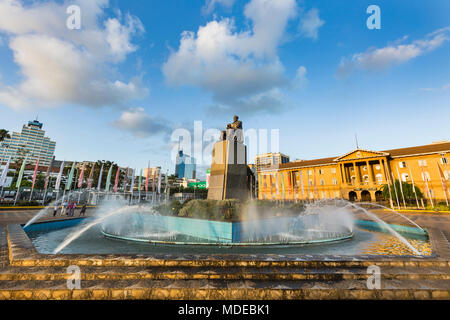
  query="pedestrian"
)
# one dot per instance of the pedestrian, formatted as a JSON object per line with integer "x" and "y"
{"x": 83, "y": 210}
{"x": 55, "y": 210}
{"x": 63, "y": 209}
{"x": 72, "y": 209}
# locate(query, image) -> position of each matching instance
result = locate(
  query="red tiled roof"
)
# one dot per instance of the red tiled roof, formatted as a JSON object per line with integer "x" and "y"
{"x": 429, "y": 148}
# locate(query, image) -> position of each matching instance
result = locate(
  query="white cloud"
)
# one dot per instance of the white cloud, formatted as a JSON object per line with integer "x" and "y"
{"x": 62, "y": 66}
{"x": 383, "y": 58}
{"x": 139, "y": 123}
{"x": 300, "y": 77}
{"x": 444, "y": 87}
{"x": 310, "y": 23}
{"x": 238, "y": 68}
{"x": 210, "y": 5}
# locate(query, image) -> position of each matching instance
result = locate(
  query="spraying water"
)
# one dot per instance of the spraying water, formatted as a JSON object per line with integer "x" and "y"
{"x": 385, "y": 225}
{"x": 396, "y": 212}
{"x": 43, "y": 212}
{"x": 96, "y": 221}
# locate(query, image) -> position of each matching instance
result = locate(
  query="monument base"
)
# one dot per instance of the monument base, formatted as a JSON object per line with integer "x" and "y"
{"x": 228, "y": 179}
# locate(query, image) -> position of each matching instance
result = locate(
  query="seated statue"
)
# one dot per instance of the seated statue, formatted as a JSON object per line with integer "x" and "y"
{"x": 236, "y": 124}
{"x": 234, "y": 130}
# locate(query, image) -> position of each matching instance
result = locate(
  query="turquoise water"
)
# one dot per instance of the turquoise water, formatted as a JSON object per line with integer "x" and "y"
{"x": 94, "y": 242}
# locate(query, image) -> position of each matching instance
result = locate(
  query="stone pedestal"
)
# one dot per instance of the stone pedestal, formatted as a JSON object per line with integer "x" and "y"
{"x": 228, "y": 178}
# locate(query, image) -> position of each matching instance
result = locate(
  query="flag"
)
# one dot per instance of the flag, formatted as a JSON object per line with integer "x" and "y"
{"x": 22, "y": 169}
{"x": 47, "y": 176}
{"x": 140, "y": 181}
{"x": 153, "y": 180}
{"x": 108, "y": 178}
{"x": 159, "y": 182}
{"x": 125, "y": 180}
{"x": 276, "y": 183}
{"x": 282, "y": 183}
{"x": 5, "y": 173}
{"x": 291, "y": 189}
{"x": 116, "y": 181}
{"x": 132, "y": 180}
{"x": 35, "y": 173}
{"x": 69, "y": 180}
{"x": 301, "y": 184}
{"x": 100, "y": 176}
{"x": 91, "y": 177}
{"x": 316, "y": 192}
{"x": 58, "y": 179}
{"x": 166, "y": 181}
{"x": 81, "y": 177}
{"x": 443, "y": 182}
{"x": 147, "y": 177}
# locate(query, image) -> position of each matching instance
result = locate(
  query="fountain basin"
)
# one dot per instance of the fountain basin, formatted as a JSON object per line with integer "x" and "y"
{"x": 191, "y": 231}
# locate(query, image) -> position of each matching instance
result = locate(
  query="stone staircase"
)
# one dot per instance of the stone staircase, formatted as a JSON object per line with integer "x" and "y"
{"x": 26, "y": 274}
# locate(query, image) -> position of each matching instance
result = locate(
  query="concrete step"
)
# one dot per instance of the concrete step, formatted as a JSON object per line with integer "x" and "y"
{"x": 266, "y": 274}
{"x": 210, "y": 289}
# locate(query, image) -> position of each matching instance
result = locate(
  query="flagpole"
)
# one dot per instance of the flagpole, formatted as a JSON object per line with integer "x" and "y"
{"x": 395, "y": 190}
{"x": 401, "y": 187}
{"x": 414, "y": 187}
{"x": 34, "y": 177}
{"x": 442, "y": 182}
{"x": 427, "y": 188}
{"x": 19, "y": 178}
{"x": 386, "y": 176}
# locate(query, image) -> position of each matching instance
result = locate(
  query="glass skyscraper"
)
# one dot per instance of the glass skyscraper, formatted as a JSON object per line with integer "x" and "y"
{"x": 185, "y": 166}
{"x": 32, "y": 142}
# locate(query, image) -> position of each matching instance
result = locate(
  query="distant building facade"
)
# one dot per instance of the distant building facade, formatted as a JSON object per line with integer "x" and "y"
{"x": 360, "y": 175}
{"x": 185, "y": 166}
{"x": 270, "y": 160}
{"x": 30, "y": 141}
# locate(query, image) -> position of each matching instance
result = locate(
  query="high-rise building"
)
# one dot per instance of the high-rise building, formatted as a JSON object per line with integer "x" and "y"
{"x": 31, "y": 142}
{"x": 185, "y": 166}
{"x": 270, "y": 160}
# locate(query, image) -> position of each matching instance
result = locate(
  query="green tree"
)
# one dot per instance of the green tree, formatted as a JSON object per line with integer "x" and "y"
{"x": 408, "y": 191}
{"x": 4, "y": 134}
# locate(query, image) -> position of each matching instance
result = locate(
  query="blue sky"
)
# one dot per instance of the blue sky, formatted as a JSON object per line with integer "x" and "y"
{"x": 136, "y": 70}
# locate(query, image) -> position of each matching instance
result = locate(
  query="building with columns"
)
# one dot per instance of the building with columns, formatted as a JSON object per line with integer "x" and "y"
{"x": 359, "y": 175}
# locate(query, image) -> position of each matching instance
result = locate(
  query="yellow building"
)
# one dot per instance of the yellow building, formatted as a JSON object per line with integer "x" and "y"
{"x": 360, "y": 175}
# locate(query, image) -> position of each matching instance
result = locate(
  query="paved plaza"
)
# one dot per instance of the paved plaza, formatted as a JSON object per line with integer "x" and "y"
{"x": 27, "y": 274}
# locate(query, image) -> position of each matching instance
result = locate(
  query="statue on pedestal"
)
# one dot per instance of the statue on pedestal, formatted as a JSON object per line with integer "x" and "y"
{"x": 233, "y": 131}
{"x": 228, "y": 179}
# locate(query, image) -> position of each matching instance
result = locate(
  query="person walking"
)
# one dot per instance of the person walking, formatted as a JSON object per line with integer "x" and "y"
{"x": 71, "y": 209}
{"x": 55, "y": 210}
{"x": 83, "y": 210}
{"x": 63, "y": 209}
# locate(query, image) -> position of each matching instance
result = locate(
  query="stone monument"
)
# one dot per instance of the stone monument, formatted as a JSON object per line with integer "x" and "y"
{"x": 228, "y": 179}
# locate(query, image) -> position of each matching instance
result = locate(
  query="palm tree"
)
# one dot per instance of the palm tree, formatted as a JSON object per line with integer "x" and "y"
{"x": 4, "y": 134}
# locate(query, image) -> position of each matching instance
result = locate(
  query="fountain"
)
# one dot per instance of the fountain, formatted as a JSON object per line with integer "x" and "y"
{"x": 258, "y": 224}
